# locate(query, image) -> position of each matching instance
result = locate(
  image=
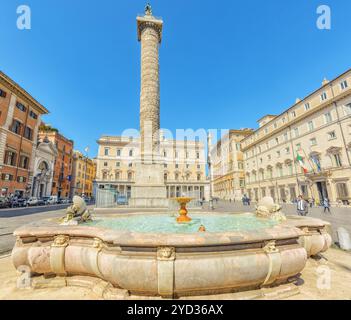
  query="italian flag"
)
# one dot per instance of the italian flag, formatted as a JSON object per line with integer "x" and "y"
{"x": 300, "y": 161}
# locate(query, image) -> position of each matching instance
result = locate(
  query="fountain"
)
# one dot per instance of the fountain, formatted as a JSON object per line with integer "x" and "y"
{"x": 183, "y": 212}
{"x": 154, "y": 255}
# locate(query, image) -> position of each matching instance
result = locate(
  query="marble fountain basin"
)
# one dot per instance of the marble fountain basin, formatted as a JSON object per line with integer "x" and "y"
{"x": 150, "y": 255}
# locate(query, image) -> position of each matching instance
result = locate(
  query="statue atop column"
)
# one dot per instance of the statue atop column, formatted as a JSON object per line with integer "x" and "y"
{"x": 148, "y": 9}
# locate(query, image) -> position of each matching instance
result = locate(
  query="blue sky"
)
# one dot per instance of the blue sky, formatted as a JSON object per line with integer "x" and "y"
{"x": 224, "y": 63}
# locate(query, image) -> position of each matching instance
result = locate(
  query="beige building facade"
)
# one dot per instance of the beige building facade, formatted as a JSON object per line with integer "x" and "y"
{"x": 83, "y": 175}
{"x": 183, "y": 164}
{"x": 315, "y": 130}
{"x": 228, "y": 176}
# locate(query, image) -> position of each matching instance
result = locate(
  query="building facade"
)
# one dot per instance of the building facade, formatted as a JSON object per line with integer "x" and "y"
{"x": 304, "y": 150}
{"x": 44, "y": 163}
{"x": 184, "y": 165}
{"x": 20, "y": 117}
{"x": 83, "y": 175}
{"x": 61, "y": 185}
{"x": 228, "y": 166}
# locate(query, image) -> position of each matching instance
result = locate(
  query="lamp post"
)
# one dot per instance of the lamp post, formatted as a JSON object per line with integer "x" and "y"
{"x": 209, "y": 163}
{"x": 85, "y": 169}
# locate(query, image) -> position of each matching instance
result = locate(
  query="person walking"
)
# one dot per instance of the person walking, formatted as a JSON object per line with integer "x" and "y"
{"x": 302, "y": 206}
{"x": 326, "y": 205}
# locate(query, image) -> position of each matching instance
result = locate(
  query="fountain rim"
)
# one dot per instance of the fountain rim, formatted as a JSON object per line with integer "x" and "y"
{"x": 48, "y": 229}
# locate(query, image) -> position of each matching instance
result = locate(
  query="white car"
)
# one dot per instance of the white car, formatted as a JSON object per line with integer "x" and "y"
{"x": 32, "y": 201}
{"x": 52, "y": 200}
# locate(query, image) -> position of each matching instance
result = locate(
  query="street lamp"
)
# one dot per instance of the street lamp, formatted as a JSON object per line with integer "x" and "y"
{"x": 209, "y": 163}
{"x": 85, "y": 169}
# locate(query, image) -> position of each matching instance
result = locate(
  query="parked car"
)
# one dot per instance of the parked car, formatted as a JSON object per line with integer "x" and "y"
{"x": 22, "y": 202}
{"x": 46, "y": 200}
{"x": 41, "y": 202}
{"x": 18, "y": 202}
{"x": 122, "y": 200}
{"x": 52, "y": 200}
{"x": 32, "y": 201}
{"x": 4, "y": 202}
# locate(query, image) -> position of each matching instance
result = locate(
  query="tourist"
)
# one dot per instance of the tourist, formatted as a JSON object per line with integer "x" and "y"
{"x": 302, "y": 206}
{"x": 326, "y": 205}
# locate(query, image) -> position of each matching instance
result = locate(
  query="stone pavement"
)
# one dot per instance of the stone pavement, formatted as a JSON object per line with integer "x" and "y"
{"x": 9, "y": 224}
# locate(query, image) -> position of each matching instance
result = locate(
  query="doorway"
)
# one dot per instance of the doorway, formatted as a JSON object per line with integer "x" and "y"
{"x": 322, "y": 190}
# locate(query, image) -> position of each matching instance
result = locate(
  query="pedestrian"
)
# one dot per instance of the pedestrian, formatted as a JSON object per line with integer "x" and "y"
{"x": 248, "y": 200}
{"x": 326, "y": 205}
{"x": 302, "y": 206}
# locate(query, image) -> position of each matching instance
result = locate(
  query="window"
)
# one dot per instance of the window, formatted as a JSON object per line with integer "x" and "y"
{"x": 105, "y": 164}
{"x": 324, "y": 96}
{"x": 269, "y": 157}
{"x": 21, "y": 179}
{"x": 165, "y": 176}
{"x": 293, "y": 114}
{"x": 176, "y": 155}
{"x": 331, "y": 135}
{"x": 199, "y": 166}
{"x": 348, "y": 109}
{"x": 33, "y": 115}
{"x": 7, "y": 177}
{"x": 16, "y": 127}
{"x": 165, "y": 165}
{"x": 198, "y": 177}
{"x": 165, "y": 154}
{"x": 177, "y": 166}
{"x": 277, "y": 140}
{"x": 298, "y": 146}
{"x": 131, "y": 153}
{"x": 28, "y": 133}
{"x": 275, "y": 126}
{"x": 313, "y": 141}
{"x": 10, "y": 158}
{"x": 2, "y": 93}
{"x": 286, "y": 136}
{"x": 266, "y": 130}
{"x": 24, "y": 162}
{"x": 21, "y": 107}
{"x": 307, "y": 106}
{"x": 342, "y": 190}
{"x": 176, "y": 176}
{"x": 130, "y": 165}
{"x": 344, "y": 85}
{"x": 310, "y": 126}
{"x": 328, "y": 117}
{"x": 118, "y": 164}
{"x": 278, "y": 154}
{"x": 290, "y": 168}
{"x": 118, "y": 152}
{"x": 296, "y": 132}
{"x": 287, "y": 150}
{"x": 106, "y": 151}
{"x": 337, "y": 160}
{"x": 197, "y": 155}
{"x": 117, "y": 175}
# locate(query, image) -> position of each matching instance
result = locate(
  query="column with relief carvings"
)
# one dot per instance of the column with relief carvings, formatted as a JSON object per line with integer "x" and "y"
{"x": 150, "y": 35}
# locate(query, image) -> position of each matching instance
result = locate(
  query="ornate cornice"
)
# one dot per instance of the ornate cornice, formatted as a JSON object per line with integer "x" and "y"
{"x": 21, "y": 93}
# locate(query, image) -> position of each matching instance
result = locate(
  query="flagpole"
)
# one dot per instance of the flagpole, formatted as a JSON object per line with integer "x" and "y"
{"x": 310, "y": 185}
